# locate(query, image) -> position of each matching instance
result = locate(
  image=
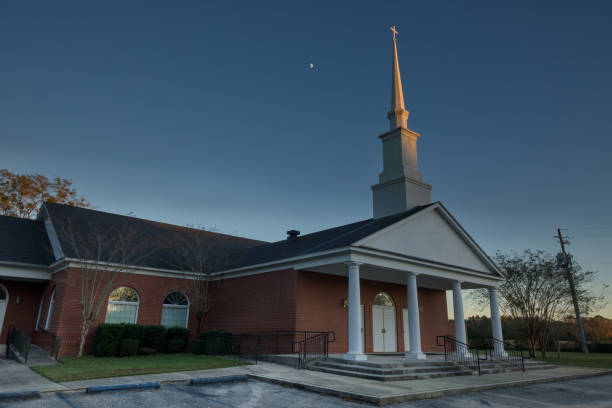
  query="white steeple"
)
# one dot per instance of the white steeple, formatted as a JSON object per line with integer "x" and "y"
{"x": 398, "y": 115}
{"x": 400, "y": 186}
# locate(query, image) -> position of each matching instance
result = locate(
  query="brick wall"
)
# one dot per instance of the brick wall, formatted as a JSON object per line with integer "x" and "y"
{"x": 320, "y": 308}
{"x": 66, "y": 313}
{"x": 252, "y": 303}
{"x": 22, "y": 308}
{"x": 255, "y": 303}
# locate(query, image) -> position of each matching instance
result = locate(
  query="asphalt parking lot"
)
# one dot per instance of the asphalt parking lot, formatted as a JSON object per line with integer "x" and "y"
{"x": 590, "y": 392}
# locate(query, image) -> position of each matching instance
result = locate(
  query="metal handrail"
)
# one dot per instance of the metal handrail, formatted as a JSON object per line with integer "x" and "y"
{"x": 514, "y": 354}
{"x": 469, "y": 358}
{"x": 18, "y": 345}
{"x": 306, "y": 354}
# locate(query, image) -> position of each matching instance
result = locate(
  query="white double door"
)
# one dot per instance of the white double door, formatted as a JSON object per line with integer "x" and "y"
{"x": 384, "y": 330}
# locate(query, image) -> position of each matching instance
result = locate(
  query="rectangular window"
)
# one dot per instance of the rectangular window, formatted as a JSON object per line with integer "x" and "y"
{"x": 121, "y": 313}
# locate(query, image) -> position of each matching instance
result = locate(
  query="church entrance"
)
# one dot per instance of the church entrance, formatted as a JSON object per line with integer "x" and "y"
{"x": 383, "y": 324}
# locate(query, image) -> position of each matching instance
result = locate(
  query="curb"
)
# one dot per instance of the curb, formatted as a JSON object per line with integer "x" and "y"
{"x": 217, "y": 380}
{"x": 121, "y": 387}
{"x": 7, "y": 396}
{"x": 396, "y": 399}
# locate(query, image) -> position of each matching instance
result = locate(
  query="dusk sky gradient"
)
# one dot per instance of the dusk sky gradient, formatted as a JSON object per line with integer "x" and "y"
{"x": 208, "y": 113}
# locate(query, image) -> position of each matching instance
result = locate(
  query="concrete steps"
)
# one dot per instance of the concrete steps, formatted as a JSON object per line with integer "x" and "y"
{"x": 389, "y": 371}
{"x": 501, "y": 366}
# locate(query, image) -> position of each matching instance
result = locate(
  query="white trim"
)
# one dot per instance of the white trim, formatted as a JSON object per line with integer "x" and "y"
{"x": 6, "y": 304}
{"x": 40, "y": 309}
{"x": 24, "y": 272}
{"x": 50, "y": 310}
{"x": 58, "y": 253}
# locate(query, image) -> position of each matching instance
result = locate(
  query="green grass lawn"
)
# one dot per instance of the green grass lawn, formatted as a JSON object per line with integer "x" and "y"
{"x": 596, "y": 360}
{"x": 85, "y": 368}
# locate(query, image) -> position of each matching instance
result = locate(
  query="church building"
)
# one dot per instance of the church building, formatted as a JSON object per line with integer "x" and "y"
{"x": 380, "y": 284}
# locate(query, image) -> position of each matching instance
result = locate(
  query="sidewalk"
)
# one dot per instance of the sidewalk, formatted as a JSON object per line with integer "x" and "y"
{"x": 20, "y": 378}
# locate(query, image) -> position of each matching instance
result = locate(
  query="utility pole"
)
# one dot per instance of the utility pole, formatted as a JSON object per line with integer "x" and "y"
{"x": 566, "y": 260}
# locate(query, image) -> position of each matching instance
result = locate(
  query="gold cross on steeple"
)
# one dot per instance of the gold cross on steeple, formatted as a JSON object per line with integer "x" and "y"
{"x": 394, "y": 32}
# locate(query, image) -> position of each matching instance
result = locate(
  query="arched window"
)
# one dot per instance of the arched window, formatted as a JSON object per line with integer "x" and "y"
{"x": 382, "y": 299}
{"x": 175, "y": 310}
{"x": 40, "y": 309}
{"x": 122, "y": 306}
{"x": 50, "y": 311}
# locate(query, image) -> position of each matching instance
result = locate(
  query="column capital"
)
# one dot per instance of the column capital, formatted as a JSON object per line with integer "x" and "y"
{"x": 353, "y": 263}
{"x": 411, "y": 274}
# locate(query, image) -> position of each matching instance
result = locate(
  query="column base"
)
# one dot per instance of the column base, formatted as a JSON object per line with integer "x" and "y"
{"x": 499, "y": 354}
{"x": 415, "y": 356}
{"x": 355, "y": 356}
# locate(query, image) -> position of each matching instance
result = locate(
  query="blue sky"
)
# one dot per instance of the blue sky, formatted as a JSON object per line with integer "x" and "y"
{"x": 207, "y": 112}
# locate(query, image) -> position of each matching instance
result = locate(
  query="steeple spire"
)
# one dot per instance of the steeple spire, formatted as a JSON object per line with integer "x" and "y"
{"x": 400, "y": 185}
{"x": 398, "y": 115}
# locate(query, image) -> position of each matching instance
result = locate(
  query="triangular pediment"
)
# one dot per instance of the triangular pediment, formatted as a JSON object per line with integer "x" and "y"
{"x": 432, "y": 235}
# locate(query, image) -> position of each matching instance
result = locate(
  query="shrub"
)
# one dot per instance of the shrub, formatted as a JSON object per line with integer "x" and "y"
{"x": 134, "y": 332}
{"x": 146, "y": 351}
{"x": 155, "y": 337}
{"x": 129, "y": 347}
{"x": 197, "y": 346}
{"x": 176, "y": 345}
{"x": 177, "y": 332}
{"x": 107, "y": 340}
{"x": 217, "y": 342}
{"x": 597, "y": 347}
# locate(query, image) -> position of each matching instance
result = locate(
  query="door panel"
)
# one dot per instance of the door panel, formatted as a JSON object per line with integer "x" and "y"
{"x": 377, "y": 328}
{"x": 406, "y": 330}
{"x": 390, "y": 334}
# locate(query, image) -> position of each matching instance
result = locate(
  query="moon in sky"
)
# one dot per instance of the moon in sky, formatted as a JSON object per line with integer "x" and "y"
{"x": 311, "y": 66}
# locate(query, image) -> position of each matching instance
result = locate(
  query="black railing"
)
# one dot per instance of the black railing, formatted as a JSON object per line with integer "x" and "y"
{"x": 315, "y": 346}
{"x": 17, "y": 345}
{"x": 308, "y": 345}
{"x": 511, "y": 355}
{"x": 461, "y": 353}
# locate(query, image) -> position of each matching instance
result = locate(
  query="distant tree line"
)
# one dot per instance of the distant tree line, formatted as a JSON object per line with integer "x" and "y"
{"x": 598, "y": 330}
{"x": 535, "y": 299}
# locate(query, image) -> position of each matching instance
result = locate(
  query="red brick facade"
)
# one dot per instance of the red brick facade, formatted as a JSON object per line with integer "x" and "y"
{"x": 320, "y": 306}
{"x": 280, "y": 300}
{"x": 22, "y": 307}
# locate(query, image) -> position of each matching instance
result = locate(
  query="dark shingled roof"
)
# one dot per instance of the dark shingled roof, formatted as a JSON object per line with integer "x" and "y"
{"x": 154, "y": 239}
{"x": 328, "y": 239}
{"x": 236, "y": 251}
{"x": 24, "y": 241}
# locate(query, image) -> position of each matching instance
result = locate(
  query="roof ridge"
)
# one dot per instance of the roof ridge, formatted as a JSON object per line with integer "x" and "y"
{"x": 147, "y": 221}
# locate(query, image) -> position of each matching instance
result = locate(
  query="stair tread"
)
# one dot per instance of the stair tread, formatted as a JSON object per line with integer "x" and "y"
{"x": 393, "y": 376}
{"x": 388, "y": 370}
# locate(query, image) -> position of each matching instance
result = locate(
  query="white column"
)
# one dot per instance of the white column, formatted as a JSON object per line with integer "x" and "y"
{"x": 354, "y": 314}
{"x": 496, "y": 326}
{"x": 413, "y": 319}
{"x": 459, "y": 318}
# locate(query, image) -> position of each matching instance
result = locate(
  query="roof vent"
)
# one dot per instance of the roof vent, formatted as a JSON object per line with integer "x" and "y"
{"x": 292, "y": 235}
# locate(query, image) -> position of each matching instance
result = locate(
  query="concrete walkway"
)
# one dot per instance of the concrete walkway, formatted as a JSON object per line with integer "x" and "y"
{"x": 383, "y": 393}
{"x": 15, "y": 377}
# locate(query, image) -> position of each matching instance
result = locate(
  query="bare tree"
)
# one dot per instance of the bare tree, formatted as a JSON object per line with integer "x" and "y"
{"x": 535, "y": 293}
{"x": 198, "y": 253}
{"x": 100, "y": 255}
